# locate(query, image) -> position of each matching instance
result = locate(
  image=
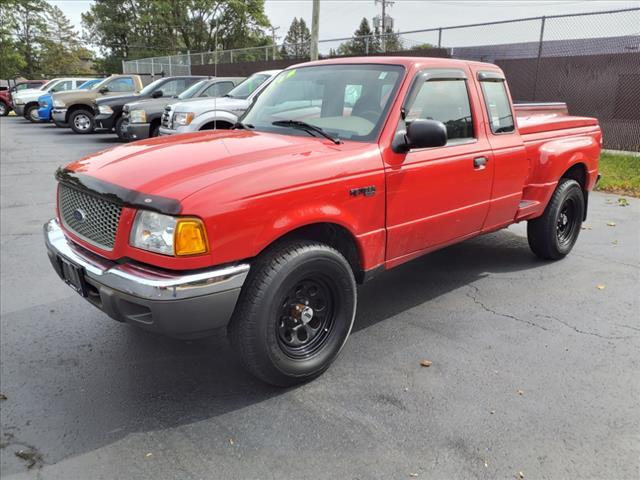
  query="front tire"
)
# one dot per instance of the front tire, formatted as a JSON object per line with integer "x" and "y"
{"x": 31, "y": 114}
{"x": 4, "y": 109}
{"x": 81, "y": 121}
{"x": 295, "y": 312}
{"x": 553, "y": 235}
{"x": 121, "y": 130}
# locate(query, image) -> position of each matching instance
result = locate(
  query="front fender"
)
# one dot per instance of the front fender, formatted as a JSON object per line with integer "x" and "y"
{"x": 212, "y": 116}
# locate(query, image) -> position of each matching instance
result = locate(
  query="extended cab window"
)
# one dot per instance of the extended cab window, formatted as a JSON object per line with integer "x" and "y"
{"x": 121, "y": 85}
{"x": 174, "y": 87}
{"x": 498, "y": 106}
{"x": 445, "y": 101}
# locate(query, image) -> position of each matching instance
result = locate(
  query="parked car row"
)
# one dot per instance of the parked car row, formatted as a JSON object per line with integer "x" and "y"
{"x": 133, "y": 107}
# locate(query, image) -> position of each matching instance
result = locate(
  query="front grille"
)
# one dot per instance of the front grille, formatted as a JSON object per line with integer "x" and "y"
{"x": 166, "y": 117}
{"x": 91, "y": 218}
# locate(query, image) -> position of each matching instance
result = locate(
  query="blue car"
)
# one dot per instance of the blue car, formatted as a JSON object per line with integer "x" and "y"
{"x": 45, "y": 102}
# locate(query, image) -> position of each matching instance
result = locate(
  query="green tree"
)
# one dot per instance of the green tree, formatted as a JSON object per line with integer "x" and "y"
{"x": 392, "y": 41}
{"x": 25, "y": 20}
{"x": 130, "y": 29}
{"x": 297, "y": 42}
{"x": 61, "y": 51}
{"x": 12, "y": 63}
{"x": 364, "y": 42}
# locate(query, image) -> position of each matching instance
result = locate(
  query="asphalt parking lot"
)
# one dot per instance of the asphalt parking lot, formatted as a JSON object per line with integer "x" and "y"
{"x": 534, "y": 368}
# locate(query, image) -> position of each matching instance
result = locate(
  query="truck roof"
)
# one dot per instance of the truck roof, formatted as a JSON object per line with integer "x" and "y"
{"x": 404, "y": 61}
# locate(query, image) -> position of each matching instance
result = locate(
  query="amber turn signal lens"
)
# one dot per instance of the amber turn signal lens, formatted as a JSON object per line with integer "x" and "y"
{"x": 190, "y": 237}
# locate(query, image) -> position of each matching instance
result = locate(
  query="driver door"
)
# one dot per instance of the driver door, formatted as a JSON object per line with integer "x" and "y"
{"x": 437, "y": 196}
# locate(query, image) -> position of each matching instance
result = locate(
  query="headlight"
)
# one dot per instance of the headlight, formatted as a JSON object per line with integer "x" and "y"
{"x": 106, "y": 109}
{"x": 168, "y": 235}
{"x": 182, "y": 119}
{"x": 18, "y": 101}
{"x": 58, "y": 103}
{"x": 138, "y": 116}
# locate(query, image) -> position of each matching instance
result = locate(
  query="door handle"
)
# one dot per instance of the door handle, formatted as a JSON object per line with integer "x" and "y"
{"x": 480, "y": 162}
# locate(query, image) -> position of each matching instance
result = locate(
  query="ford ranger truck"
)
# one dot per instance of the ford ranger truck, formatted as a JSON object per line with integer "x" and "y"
{"x": 77, "y": 109}
{"x": 222, "y": 113}
{"x": 341, "y": 169}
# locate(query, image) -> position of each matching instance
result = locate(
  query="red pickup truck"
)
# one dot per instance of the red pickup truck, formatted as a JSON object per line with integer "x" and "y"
{"x": 341, "y": 169}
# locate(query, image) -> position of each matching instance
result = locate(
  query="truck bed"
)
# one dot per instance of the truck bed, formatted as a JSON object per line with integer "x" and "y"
{"x": 546, "y": 117}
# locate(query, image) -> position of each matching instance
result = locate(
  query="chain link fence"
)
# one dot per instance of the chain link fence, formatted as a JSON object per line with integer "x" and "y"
{"x": 591, "y": 61}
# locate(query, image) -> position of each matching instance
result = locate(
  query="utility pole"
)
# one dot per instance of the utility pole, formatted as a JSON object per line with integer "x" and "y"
{"x": 383, "y": 21}
{"x": 275, "y": 40}
{"x": 315, "y": 26}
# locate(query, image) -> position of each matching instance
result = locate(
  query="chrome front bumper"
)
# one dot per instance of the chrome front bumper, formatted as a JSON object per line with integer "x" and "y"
{"x": 189, "y": 304}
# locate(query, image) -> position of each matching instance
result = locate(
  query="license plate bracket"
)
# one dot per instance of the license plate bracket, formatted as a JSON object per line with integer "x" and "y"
{"x": 73, "y": 275}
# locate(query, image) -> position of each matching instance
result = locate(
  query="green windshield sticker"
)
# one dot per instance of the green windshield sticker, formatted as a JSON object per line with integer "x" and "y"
{"x": 288, "y": 75}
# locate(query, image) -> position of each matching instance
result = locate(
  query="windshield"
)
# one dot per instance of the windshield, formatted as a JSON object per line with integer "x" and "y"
{"x": 151, "y": 87}
{"x": 89, "y": 85}
{"x": 249, "y": 86}
{"x": 192, "y": 90}
{"x": 46, "y": 85}
{"x": 349, "y": 102}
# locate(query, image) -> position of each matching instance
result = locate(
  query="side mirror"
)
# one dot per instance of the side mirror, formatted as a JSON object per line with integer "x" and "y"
{"x": 157, "y": 94}
{"x": 104, "y": 90}
{"x": 421, "y": 133}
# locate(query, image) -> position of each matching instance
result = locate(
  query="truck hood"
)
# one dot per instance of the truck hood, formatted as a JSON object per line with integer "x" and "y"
{"x": 152, "y": 105}
{"x": 76, "y": 96}
{"x": 28, "y": 95}
{"x": 201, "y": 105}
{"x": 178, "y": 166}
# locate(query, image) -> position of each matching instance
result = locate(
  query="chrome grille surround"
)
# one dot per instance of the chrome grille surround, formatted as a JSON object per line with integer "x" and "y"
{"x": 90, "y": 217}
{"x": 166, "y": 117}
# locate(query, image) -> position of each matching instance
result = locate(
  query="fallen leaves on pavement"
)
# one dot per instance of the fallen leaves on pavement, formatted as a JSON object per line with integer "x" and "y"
{"x": 623, "y": 202}
{"x": 601, "y": 287}
{"x": 611, "y": 224}
{"x": 3, "y": 396}
{"x": 425, "y": 363}
{"x": 520, "y": 392}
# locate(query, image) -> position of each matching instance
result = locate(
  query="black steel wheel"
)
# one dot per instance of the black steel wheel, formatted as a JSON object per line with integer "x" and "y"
{"x": 294, "y": 313}
{"x": 553, "y": 235}
{"x": 306, "y": 316}
{"x": 4, "y": 109}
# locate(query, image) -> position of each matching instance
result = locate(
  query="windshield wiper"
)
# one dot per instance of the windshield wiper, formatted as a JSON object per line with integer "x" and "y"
{"x": 242, "y": 126}
{"x": 306, "y": 127}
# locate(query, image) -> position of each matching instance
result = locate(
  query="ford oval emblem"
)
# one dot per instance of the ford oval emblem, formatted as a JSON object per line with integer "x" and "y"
{"x": 79, "y": 215}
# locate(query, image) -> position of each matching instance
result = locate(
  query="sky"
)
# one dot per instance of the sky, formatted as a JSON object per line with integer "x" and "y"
{"x": 339, "y": 18}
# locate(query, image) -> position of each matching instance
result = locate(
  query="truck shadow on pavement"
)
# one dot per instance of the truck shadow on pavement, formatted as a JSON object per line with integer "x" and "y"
{"x": 103, "y": 381}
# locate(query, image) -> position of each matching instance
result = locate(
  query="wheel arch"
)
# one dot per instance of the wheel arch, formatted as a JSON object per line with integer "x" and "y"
{"x": 75, "y": 107}
{"x": 579, "y": 172}
{"x": 217, "y": 125}
{"x": 333, "y": 234}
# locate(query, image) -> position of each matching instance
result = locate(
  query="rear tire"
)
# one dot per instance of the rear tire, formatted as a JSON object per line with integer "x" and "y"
{"x": 155, "y": 131}
{"x": 553, "y": 235}
{"x": 81, "y": 121}
{"x": 295, "y": 312}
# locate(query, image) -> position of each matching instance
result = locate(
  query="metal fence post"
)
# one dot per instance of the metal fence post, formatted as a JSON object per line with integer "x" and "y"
{"x": 137, "y": 67}
{"x": 230, "y": 56}
{"x": 153, "y": 69}
{"x": 123, "y": 63}
{"x": 201, "y": 58}
{"x": 440, "y": 38}
{"x": 366, "y": 45}
{"x": 543, "y": 20}
{"x": 170, "y": 68}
